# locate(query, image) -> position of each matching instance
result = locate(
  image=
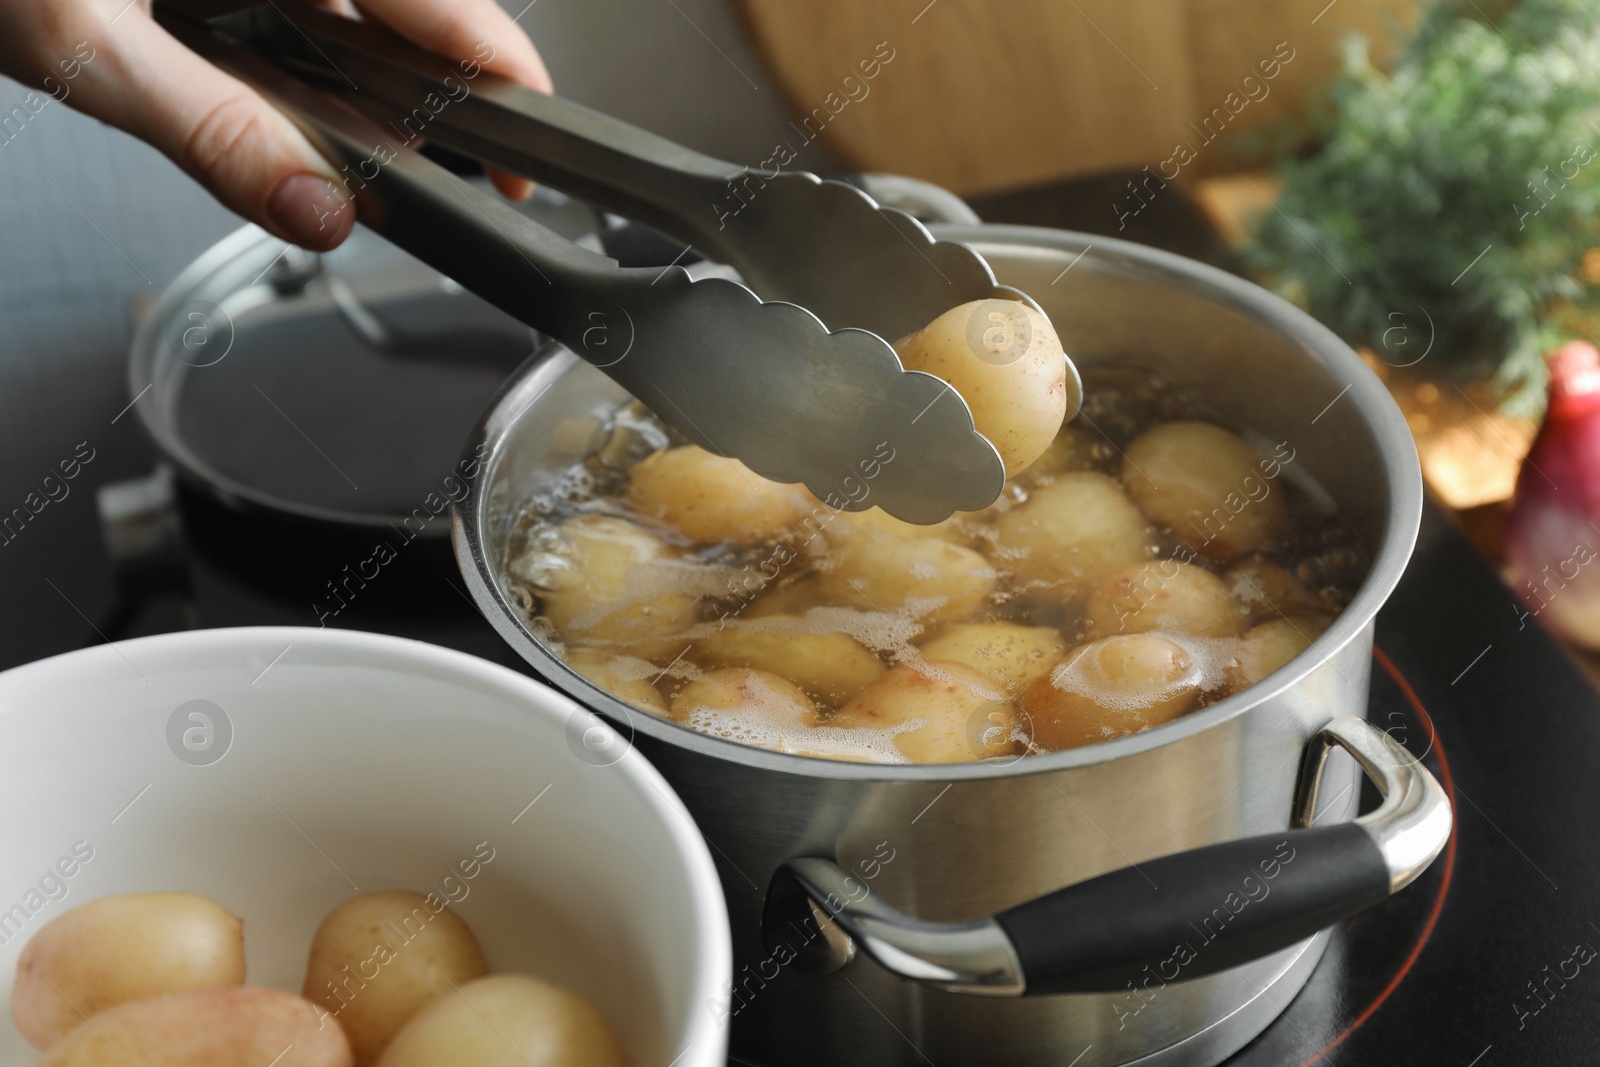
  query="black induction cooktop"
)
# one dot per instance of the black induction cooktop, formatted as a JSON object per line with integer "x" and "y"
{"x": 1484, "y": 961}
{"x": 1488, "y": 960}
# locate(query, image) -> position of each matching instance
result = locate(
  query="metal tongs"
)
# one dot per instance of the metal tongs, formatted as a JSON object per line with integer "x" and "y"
{"x": 792, "y": 372}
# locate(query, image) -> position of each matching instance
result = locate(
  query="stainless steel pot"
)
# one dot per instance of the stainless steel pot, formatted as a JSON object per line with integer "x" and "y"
{"x": 1195, "y": 885}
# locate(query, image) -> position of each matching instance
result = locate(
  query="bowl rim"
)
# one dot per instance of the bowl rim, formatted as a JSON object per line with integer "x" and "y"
{"x": 90, "y": 667}
{"x": 1401, "y": 469}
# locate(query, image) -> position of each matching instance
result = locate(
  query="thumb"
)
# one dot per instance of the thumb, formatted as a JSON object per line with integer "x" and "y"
{"x": 244, "y": 151}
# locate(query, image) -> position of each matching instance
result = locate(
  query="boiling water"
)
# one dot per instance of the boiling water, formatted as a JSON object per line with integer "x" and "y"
{"x": 747, "y": 585}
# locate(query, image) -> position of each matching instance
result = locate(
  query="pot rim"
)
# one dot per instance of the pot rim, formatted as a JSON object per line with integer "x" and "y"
{"x": 1383, "y": 418}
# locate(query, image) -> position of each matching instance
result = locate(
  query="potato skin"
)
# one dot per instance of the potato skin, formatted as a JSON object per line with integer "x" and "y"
{"x": 506, "y": 1020}
{"x": 606, "y": 594}
{"x": 829, "y": 667}
{"x": 1269, "y": 646}
{"x": 1207, "y": 485}
{"x": 122, "y": 948}
{"x": 380, "y": 958}
{"x": 873, "y": 524}
{"x": 1110, "y": 688}
{"x": 1169, "y": 596}
{"x": 1012, "y": 655}
{"x": 935, "y": 580}
{"x": 1071, "y": 533}
{"x": 207, "y": 1028}
{"x": 967, "y": 717}
{"x": 759, "y": 697}
{"x": 708, "y": 497}
{"x": 608, "y": 671}
{"x": 1005, "y": 360}
{"x": 1268, "y": 591}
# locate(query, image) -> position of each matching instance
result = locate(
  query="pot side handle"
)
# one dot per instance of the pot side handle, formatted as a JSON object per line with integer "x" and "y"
{"x": 1173, "y": 918}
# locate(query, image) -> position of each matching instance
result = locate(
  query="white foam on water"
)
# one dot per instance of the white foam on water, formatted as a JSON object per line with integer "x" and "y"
{"x": 770, "y": 719}
{"x": 767, "y": 718}
{"x": 1206, "y": 661}
{"x": 756, "y": 726}
{"x": 633, "y": 669}
{"x": 930, "y": 668}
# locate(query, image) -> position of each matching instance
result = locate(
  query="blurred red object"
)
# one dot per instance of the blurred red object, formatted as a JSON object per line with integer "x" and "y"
{"x": 1553, "y": 536}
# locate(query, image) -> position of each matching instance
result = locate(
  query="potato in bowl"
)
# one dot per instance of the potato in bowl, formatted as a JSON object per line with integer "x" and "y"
{"x": 354, "y": 763}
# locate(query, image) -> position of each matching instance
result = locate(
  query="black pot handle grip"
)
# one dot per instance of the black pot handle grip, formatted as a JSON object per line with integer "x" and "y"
{"x": 1167, "y": 919}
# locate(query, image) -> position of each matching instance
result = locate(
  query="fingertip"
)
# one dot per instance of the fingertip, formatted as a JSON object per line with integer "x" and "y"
{"x": 309, "y": 210}
{"x": 510, "y": 185}
{"x": 532, "y": 72}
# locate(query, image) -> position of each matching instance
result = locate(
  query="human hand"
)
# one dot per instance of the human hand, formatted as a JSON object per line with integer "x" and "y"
{"x": 109, "y": 59}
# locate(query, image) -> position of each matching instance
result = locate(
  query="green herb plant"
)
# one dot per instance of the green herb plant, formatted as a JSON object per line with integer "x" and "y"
{"x": 1453, "y": 199}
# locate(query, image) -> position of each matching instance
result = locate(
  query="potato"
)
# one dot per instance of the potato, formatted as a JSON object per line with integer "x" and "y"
{"x": 927, "y": 577}
{"x": 1163, "y": 595}
{"x": 840, "y": 528}
{"x": 1110, "y": 688}
{"x": 872, "y": 524}
{"x": 1005, "y": 360}
{"x": 963, "y": 711}
{"x": 1268, "y": 590}
{"x": 1071, "y": 533}
{"x": 616, "y": 586}
{"x": 737, "y": 688}
{"x": 1269, "y": 646}
{"x": 624, "y": 677}
{"x": 121, "y": 948}
{"x": 829, "y": 666}
{"x": 752, "y": 707}
{"x": 796, "y": 598}
{"x": 237, "y": 1027}
{"x": 1207, "y": 486}
{"x": 715, "y": 498}
{"x": 1010, "y": 654}
{"x": 506, "y": 1020}
{"x": 380, "y": 958}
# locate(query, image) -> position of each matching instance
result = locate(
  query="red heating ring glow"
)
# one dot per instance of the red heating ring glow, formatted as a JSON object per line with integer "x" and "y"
{"x": 1449, "y": 784}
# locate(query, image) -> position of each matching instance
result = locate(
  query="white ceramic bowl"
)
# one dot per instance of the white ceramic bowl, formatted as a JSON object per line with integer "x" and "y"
{"x": 325, "y": 763}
